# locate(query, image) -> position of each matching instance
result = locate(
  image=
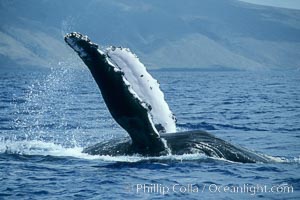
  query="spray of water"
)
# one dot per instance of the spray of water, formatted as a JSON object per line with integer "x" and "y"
{"x": 67, "y": 25}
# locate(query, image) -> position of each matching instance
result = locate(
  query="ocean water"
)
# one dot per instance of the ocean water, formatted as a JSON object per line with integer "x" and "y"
{"x": 48, "y": 116}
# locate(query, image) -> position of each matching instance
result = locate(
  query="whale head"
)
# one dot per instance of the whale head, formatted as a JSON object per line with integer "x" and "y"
{"x": 81, "y": 44}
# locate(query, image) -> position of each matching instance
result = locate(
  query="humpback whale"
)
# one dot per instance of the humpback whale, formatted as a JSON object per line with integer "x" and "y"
{"x": 137, "y": 104}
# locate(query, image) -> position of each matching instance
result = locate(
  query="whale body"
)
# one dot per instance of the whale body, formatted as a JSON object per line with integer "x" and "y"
{"x": 137, "y": 104}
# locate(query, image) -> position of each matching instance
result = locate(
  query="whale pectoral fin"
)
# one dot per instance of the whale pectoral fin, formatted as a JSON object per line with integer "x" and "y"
{"x": 128, "y": 109}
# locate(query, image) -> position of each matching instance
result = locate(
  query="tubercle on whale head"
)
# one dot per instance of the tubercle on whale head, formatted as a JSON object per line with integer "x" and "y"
{"x": 80, "y": 43}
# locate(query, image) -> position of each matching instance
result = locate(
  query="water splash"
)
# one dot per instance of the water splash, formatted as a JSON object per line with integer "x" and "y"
{"x": 67, "y": 25}
{"x": 40, "y": 110}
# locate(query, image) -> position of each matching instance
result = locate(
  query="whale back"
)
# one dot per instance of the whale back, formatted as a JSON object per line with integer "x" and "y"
{"x": 181, "y": 143}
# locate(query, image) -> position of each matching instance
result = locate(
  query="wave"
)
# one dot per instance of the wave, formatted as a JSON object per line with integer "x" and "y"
{"x": 212, "y": 127}
{"x": 216, "y": 126}
{"x": 198, "y": 126}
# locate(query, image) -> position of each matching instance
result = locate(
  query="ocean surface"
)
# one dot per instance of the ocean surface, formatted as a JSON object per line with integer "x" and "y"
{"x": 48, "y": 116}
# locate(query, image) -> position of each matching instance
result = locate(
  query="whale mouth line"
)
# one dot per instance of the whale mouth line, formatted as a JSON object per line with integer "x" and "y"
{"x": 134, "y": 99}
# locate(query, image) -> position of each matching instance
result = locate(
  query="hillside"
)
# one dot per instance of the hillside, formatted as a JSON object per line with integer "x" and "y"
{"x": 169, "y": 33}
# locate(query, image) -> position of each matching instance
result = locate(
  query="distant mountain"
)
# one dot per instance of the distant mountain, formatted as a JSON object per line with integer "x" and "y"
{"x": 171, "y": 33}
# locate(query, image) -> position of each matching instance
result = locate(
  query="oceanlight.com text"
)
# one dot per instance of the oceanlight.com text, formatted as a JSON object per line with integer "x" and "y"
{"x": 210, "y": 188}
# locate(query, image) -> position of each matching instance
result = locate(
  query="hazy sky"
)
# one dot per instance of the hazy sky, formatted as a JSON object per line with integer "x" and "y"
{"x": 294, "y": 4}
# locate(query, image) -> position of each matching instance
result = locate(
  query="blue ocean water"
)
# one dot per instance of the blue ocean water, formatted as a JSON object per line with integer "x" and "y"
{"x": 48, "y": 116}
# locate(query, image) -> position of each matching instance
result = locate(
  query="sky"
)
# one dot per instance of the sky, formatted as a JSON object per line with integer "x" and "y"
{"x": 293, "y": 4}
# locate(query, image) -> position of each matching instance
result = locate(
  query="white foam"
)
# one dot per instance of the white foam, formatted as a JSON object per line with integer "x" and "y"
{"x": 277, "y": 159}
{"x": 36, "y": 147}
{"x": 143, "y": 86}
